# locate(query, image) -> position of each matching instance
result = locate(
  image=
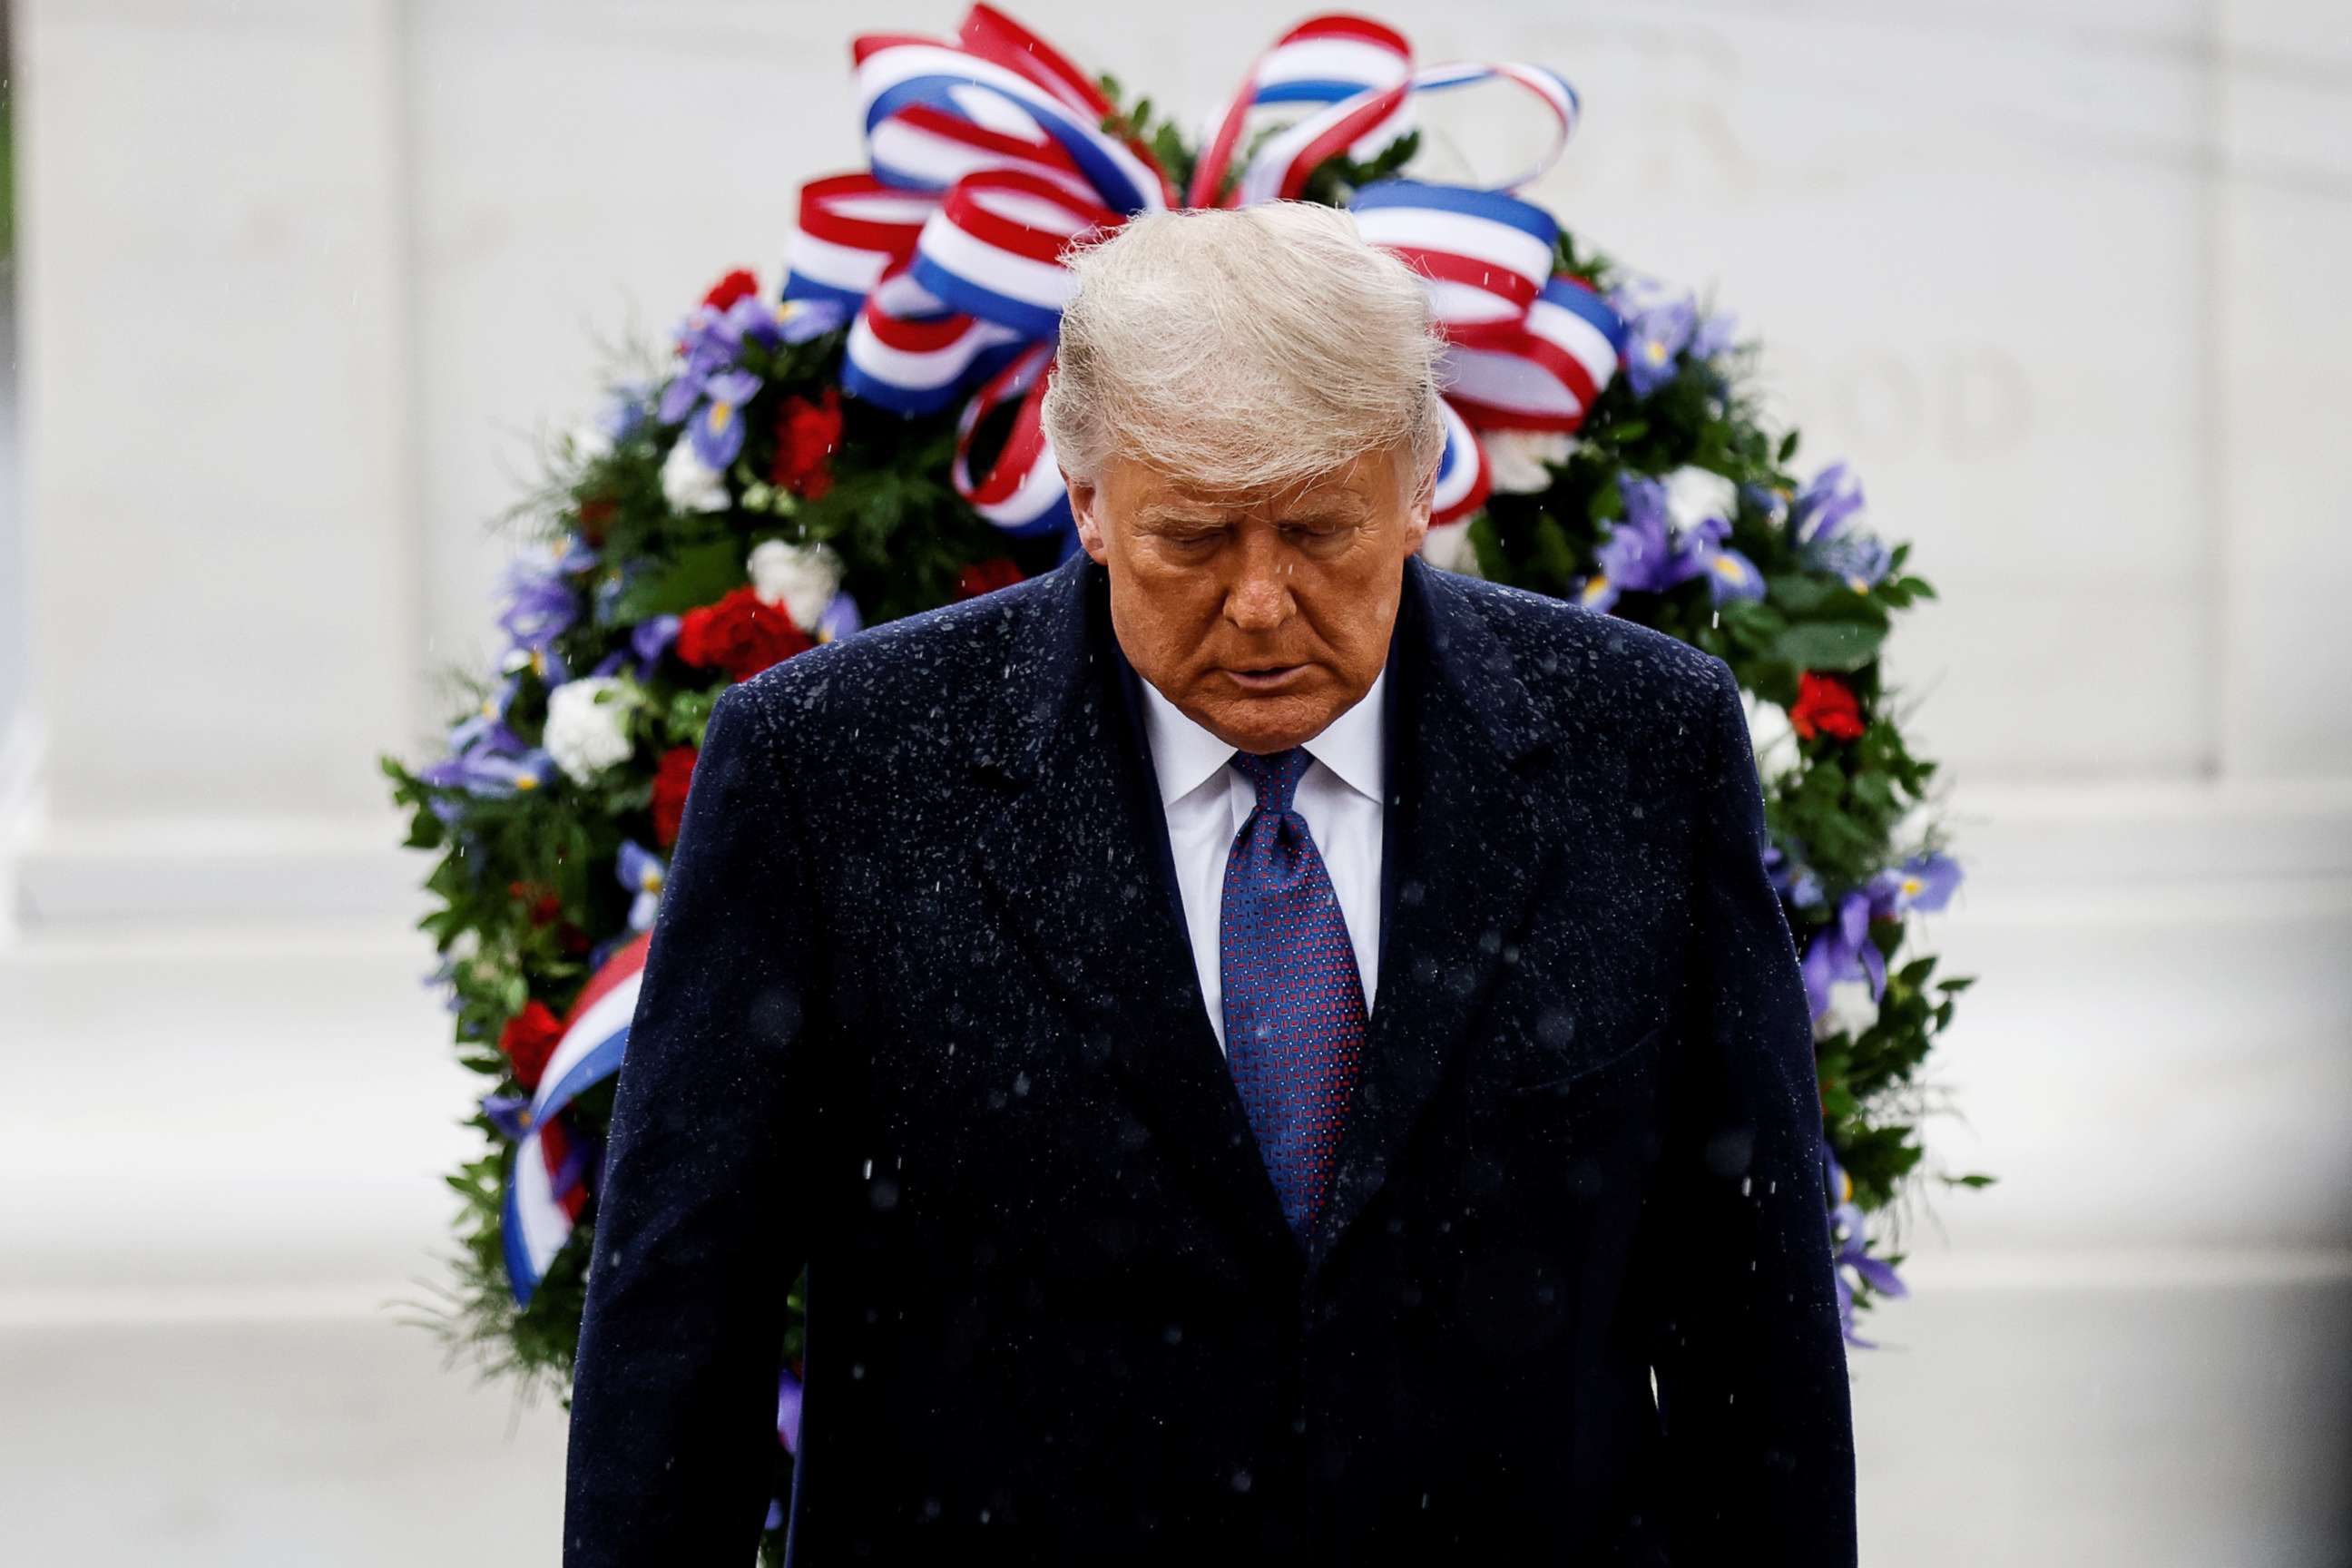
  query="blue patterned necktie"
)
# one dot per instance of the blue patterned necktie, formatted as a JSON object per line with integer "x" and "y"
{"x": 1294, "y": 999}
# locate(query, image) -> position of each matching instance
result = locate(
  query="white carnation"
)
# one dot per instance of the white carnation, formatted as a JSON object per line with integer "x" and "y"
{"x": 689, "y": 484}
{"x": 1694, "y": 495}
{"x": 1850, "y": 1011}
{"x": 586, "y": 726}
{"x": 1515, "y": 458}
{"x": 1769, "y": 734}
{"x": 802, "y": 578}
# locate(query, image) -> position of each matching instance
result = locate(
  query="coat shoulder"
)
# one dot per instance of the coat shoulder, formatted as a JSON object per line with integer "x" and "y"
{"x": 942, "y": 656}
{"x": 1582, "y": 667}
{"x": 901, "y": 693}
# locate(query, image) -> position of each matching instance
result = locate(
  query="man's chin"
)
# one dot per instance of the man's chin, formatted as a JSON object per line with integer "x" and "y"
{"x": 1272, "y": 722}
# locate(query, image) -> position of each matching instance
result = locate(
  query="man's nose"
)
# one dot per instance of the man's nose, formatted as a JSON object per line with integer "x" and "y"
{"x": 1259, "y": 599}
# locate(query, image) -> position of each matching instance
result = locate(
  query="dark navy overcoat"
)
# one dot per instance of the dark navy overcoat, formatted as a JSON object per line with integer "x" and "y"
{"x": 920, "y": 1015}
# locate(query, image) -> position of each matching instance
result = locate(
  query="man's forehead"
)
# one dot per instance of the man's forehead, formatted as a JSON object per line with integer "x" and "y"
{"x": 1347, "y": 488}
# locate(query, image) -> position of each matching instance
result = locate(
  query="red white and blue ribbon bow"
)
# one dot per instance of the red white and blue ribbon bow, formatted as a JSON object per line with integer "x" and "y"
{"x": 551, "y": 1168}
{"x": 987, "y": 159}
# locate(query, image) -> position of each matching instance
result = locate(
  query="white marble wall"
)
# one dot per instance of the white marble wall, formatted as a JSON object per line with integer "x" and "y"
{"x": 215, "y": 302}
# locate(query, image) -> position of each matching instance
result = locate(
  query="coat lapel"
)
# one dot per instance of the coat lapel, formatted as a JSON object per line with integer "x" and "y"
{"x": 1458, "y": 880}
{"x": 1074, "y": 857}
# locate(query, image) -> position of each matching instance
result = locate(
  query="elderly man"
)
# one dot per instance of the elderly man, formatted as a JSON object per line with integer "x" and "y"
{"x": 1266, "y": 1050}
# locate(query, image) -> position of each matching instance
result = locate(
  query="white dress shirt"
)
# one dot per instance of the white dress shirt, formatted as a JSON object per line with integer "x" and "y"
{"x": 1206, "y": 802}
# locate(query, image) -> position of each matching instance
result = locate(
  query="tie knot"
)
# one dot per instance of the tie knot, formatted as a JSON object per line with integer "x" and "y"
{"x": 1276, "y": 774}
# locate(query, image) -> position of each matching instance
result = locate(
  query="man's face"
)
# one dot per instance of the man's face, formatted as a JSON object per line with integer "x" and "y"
{"x": 1263, "y": 615}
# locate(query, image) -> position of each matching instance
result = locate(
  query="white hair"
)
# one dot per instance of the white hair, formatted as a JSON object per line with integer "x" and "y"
{"x": 1260, "y": 347}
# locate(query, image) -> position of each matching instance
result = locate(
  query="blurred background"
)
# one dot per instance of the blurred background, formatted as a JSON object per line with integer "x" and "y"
{"x": 295, "y": 290}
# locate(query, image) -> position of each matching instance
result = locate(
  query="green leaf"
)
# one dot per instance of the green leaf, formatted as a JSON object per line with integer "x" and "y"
{"x": 699, "y": 575}
{"x": 1829, "y": 645}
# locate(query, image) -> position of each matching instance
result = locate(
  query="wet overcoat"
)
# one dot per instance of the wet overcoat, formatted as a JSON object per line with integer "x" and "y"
{"x": 920, "y": 1014}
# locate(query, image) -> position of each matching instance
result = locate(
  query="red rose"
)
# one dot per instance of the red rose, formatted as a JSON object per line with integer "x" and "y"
{"x": 737, "y": 285}
{"x": 986, "y": 577}
{"x": 741, "y": 633}
{"x": 528, "y": 1039}
{"x": 1825, "y": 706}
{"x": 672, "y": 775}
{"x": 807, "y": 434}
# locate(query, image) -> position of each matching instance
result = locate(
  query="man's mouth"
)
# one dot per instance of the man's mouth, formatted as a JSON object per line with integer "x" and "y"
{"x": 1265, "y": 677}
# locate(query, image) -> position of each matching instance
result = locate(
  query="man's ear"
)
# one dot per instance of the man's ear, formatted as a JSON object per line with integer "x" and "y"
{"x": 1086, "y": 507}
{"x": 1425, "y": 498}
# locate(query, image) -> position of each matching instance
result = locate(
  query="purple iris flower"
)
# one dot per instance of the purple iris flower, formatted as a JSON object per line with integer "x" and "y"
{"x": 813, "y": 318}
{"x": 487, "y": 725}
{"x": 1924, "y": 882}
{"x": 651, "y": 639}
{"x": 710, "y": 341}
{"x": 1847, "y": 1233}
{"x": 717, "y": 430}
{"x": 641, "y": 872}
{"x": 1654, "y": 338}
{"x": 1730, "y": 574}
{"x": 1827, "y": 503}
{"x": 749, "y": 320}
{"x": 509, "y": 1113}
{"x": 1642, "y": 555}
{"x": 541, "y": 602}
{"x": 707, "y": 348}
{"x": 485, "y": 773}
{"x": 685, "y": 390}
{"x": 1639, "y": 555}
{"x": 1859, "y": 558}
{"x": 1842, "y": 950}
{"x": 841, "y": 619}
{"x": 551, "y": 667}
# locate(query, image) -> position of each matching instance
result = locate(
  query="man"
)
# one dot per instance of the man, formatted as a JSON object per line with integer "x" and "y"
{"x": 1266, "y": 1050}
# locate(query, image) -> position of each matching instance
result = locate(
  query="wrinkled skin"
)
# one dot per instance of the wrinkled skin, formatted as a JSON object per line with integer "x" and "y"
{"x": 1263, "y": 615}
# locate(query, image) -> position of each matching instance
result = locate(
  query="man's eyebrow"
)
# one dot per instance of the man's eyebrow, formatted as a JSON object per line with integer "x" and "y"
{"x": 1180, "y": 513}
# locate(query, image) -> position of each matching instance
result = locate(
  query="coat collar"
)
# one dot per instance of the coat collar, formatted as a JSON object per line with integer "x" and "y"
{"x": 1076, "y": 849}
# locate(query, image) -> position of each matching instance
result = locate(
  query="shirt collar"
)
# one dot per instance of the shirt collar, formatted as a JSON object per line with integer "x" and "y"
{"x": 1184, "y": 755}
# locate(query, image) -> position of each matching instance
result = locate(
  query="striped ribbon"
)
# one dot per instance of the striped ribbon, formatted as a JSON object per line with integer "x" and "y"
{"x": 550, "y": 1183}
{"x": 987, "y": 161}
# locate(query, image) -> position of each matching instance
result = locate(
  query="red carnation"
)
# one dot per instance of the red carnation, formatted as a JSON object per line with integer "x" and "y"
{"x": 671, "y": 777}
{"x": 807, "y": 434}
{"x": 528, "y": 1039}
{"x": 1825, "y": 706}
{"x": 986, "y": 577}
{"x": 737, "y": 285}
{"x": 741, "y": 634}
